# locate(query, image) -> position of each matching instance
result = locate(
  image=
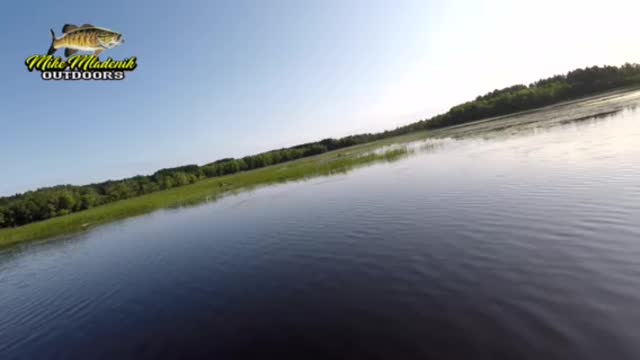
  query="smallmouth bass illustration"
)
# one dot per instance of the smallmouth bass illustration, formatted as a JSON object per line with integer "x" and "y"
{"x": 84, "y": 38}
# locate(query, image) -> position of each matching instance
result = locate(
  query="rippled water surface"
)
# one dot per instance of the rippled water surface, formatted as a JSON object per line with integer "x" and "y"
{"x": 516, "y": 238}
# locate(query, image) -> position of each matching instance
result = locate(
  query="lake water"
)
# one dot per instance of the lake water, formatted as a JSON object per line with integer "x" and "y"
{"x": 521, "y": 242}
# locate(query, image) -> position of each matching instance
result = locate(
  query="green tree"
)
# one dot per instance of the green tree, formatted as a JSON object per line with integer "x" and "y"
{"x": 3, "y": 218}
{"x": 66, "y": 201}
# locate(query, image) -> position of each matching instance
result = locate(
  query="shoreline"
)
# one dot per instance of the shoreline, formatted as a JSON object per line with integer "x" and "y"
{"x": 207, "y": 190}
{"x": 211, "y": 189}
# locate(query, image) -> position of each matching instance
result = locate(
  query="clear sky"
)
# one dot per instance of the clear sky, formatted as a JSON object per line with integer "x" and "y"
{"x": 218, "y": 79}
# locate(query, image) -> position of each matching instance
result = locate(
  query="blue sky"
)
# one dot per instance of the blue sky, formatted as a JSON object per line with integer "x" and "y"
{"x": 218, "y": 79}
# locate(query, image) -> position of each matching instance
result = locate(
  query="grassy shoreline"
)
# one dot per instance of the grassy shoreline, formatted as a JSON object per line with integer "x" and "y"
{"x": 211, "y": 189}
{"x": 339, "y": 161}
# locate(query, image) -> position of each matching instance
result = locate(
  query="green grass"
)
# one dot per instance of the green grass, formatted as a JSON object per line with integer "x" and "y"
{"x": 340, "y": 161}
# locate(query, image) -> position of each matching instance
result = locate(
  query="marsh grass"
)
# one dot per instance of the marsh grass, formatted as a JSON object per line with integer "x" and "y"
{"x": 337, "y": 162}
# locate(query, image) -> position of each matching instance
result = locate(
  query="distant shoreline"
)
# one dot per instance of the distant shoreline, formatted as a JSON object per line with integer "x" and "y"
{"x": 603, "y": 94}
{"x": 338, "y": 161}
{"x": 556, "y": 91}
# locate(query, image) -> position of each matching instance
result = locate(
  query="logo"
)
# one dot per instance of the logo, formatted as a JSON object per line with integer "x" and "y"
{"x": 82, "y": 67}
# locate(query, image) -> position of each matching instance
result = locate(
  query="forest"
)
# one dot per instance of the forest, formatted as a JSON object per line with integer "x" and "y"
{"x": 45, "y": 203}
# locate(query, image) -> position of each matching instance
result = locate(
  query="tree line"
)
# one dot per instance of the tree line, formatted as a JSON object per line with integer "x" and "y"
{"x": 45, "y": 203}
{"x": 552, "y": 90}
{"x": 61, "y": 200}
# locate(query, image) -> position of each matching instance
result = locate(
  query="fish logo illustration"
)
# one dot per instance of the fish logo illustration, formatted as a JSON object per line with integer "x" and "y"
{"x": 74, "y": 38}
{"x": 84, "y": 38}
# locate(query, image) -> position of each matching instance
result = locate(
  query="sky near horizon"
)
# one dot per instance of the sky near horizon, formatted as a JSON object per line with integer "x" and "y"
{"x": 222, "y": 79}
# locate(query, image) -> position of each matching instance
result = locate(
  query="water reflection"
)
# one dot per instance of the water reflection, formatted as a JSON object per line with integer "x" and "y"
{"x": 518, "y": 243}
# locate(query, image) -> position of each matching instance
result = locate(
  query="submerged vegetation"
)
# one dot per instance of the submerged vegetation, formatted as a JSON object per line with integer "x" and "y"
{"x": 202, "y": 191}
{"x": 96, "y": 203}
